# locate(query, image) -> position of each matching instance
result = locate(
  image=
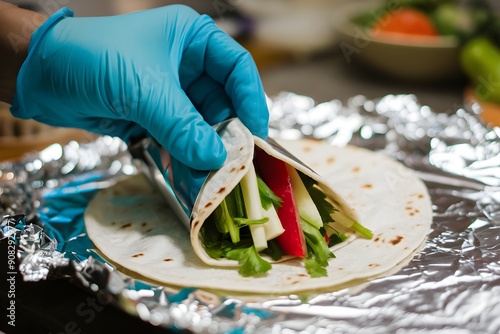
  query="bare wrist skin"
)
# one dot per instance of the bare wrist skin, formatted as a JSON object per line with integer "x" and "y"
{"x": 16, "y": 27}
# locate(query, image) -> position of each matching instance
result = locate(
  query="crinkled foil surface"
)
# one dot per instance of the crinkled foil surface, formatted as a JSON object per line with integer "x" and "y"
{"x": 451, "y": 286}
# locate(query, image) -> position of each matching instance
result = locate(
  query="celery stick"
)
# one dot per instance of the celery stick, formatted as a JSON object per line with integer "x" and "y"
{"x": 221, "y": 217}
{"x": 367, "y": 233}
{"x": 232, "y": 211}
{"x": 269, "y": 202}
{"x": 238, "y": 202}
{"x": 342, "y": 219}
{"x": 307, "y": 209}
{"x": 273, "y": 227}
{"x": 253, "y": 207}
{"x": 233, "y": 230}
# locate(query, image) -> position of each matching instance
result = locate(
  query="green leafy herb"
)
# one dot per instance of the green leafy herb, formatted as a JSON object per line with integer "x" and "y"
{"x": 232, "y": 206}
{"x": 225, "y": 222}
{"x": 273, "y": 250}
{"x": 324, "y": 207}
{"x": 267, "y": 196}
{"x": 220, "y": 216}
{"x": 246, "y": 221}
{"x": 308, "y": 182}
{"x": 314, "y": 269}
{"x": 219, "y": 245}
{"x": 212, "y": 239}
{"x": 251, "y": 264}
{"x": 317, "y": 250}
{"x": 335, "y": 239}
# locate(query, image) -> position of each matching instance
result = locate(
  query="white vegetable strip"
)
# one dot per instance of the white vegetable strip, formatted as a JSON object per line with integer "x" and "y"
{"x": 307, "y": 209}
{"x": 342, "y": 219}
{"x": 273, "y": 227}
{"x": 251, "y": 197}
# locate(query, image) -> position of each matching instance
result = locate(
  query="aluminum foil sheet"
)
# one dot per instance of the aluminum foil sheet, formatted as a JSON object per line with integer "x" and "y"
{"x": 451, "y": 286}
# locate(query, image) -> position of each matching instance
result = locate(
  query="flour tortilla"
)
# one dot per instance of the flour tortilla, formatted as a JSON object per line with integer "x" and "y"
{"x": 131, "y": 226}
{"x": 240, "y": 145}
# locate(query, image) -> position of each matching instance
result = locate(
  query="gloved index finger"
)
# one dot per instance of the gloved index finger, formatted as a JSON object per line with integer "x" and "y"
{"x": 227, "y": 62}
{"x": 174, "y": 122}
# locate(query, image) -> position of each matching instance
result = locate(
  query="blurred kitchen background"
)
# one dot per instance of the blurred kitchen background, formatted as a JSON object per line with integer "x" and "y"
{"x": 300, "y": 46}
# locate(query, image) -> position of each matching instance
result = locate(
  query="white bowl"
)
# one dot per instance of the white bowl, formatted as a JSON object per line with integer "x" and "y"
{"x": 296, "y": 26}
{"x": 412, "y": 58}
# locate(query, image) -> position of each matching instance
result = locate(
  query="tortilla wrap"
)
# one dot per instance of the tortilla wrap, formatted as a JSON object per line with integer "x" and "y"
{"x": 219, "y": 185}
{"x": 130, "y": 225}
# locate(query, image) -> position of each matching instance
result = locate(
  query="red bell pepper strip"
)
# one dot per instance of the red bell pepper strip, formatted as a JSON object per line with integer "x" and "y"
{"x": 275, "y": 175}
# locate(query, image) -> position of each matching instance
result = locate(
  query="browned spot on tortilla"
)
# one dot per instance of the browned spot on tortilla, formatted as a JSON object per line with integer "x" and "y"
{"x": 143, "y": 224}
{"x": 292, "y": 280}
{"x": 367, "y": 185}
{"x": 406, "y": 248}
{"x": 241, "y": 148}
{"x": 409, "y": 202}
{"x": 412, "y": 213}
{"x": 232, "y": 170}
{"x": 242, "y": 167}
{"x": 168, "y": 260}
{"x": 302, "y": 275}
{"x": 340, "y": 268}
{"x": 417, "y": 211}
{"x": 138, "y": 255}
{"x": 208, "y": 204}
{"x": 396, "y": 240}
{"x": 307, "y": 149}
{"x": 420, "y": 196}
{"x": 376, "y": 239}
{"x": 221, "y": 190}
{"x": 196, "y": 222}
{"x": 126, "y": 225}
{"x": 408, "y": 208}
{"x": 356, "y": 169}
{"x": 374, "y": 265}
{"x": 330, "y": 160}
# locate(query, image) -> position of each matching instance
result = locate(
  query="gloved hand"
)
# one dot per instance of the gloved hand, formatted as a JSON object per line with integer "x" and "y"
{"x": 168, "y": 71}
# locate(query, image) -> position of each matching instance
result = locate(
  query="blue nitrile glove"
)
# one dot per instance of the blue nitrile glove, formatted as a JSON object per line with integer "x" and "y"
{"x": 168, "y": 71}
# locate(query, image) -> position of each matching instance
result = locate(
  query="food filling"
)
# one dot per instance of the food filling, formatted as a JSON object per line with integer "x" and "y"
{"x": 276, "y": 210}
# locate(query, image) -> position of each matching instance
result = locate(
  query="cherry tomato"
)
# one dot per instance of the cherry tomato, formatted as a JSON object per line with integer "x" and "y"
{"x": 405, "y": 21}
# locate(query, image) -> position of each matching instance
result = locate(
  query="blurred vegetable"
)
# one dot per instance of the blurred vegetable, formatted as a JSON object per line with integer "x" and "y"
{"x": 405, "y": 21}
{"x": 455, "y": 20}
{"x": 426, "y": 6}
{"x": 480, "y": 61}
{"x": 492, "y": 29}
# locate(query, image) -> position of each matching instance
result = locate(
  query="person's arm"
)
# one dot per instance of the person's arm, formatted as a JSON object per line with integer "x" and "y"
{"x": 168, "y": 73}
{"x": 16, "y": 27}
